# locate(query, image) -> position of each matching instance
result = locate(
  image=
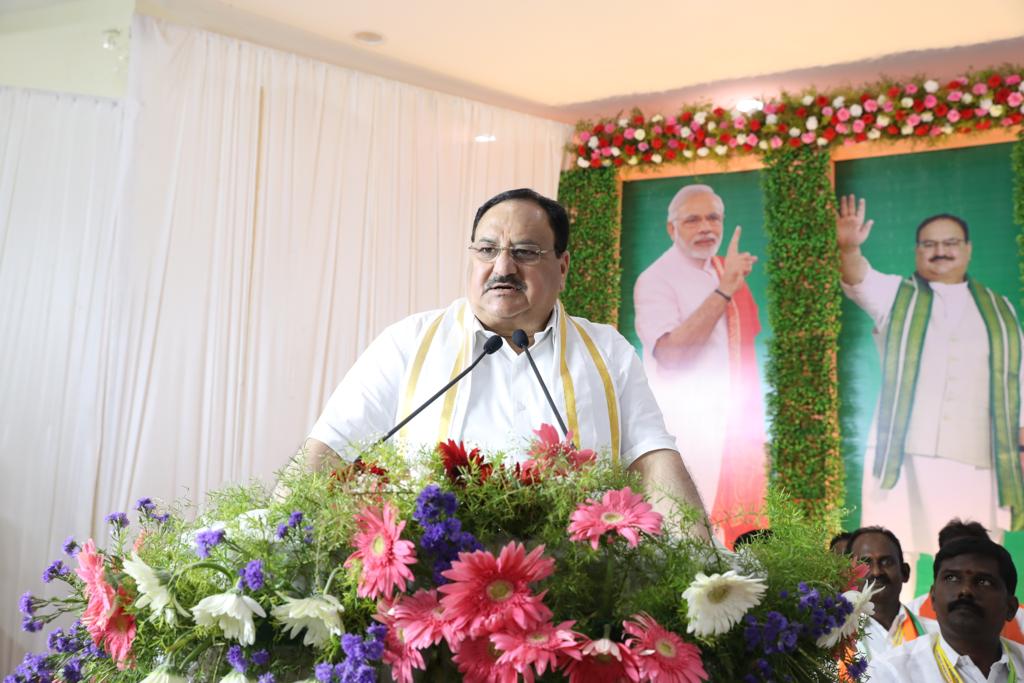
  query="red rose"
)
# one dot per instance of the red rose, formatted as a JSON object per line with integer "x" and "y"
{"x": 860, "y": 137}
{"x": 671, "y": 154}
{"x": 794, "y": 142}
{"x": 618, "y": 140}
{"x": 748, "y": 147}
{"x": 900, "y": 114}
{"x": 602, "y": 142}
{"x": 630, "y": 150}
{"x": 953, "y": 85}
{"x": 868, "y": 119}
{"x": 1016, "y": 118}
{"x": 599, "y": 128}
{"x": 657, "y": 143}
{"x": 801, "y": 111}
{"x": 700, "y": 135}
{"x": 717, "y": 111}
{"x": 967, "y": 114}
{"x": 864, "y": 97}
{"x": 755, "y": 125}
{"x": 941, "y": 109}
{"x": 686, "y": 116}
{"x": 821, "y": 100}
{"x": 618, "y": 161}
{"x": 893, "y": 92}
{"x": 994, "y": 81}
{"x": 984, "y": 124}
{"x": 724, "y": 138}
{"x": 581, "y": 150}
{"x": 638, "y": 120}
{"x": 595, "y": 163}
{"x": 919, "y": 106}
{"x": 829, "y": 134}
{"x": 1001, "y": 95}
{"x": 647, "y": 157}
{"x": 921, "y": 130}
{"x": 780, "y": 108}
{"x": 892, "y": 130}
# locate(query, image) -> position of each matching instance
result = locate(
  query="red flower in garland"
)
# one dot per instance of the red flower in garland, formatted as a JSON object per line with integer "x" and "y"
{"x": 893, "y": 92}
{"x": 755, "y": 125}
{"x": 994, "y": 81}
{"x": 457, "y": 461}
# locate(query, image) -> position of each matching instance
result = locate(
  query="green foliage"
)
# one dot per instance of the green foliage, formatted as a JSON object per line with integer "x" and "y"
{"x": 1017, "y": 163}
{"x": 591, "y": 198}
{"x": 804, "y": 308}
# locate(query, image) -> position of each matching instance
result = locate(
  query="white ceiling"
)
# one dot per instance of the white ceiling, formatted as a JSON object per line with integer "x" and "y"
{"x": 560, "y": 52}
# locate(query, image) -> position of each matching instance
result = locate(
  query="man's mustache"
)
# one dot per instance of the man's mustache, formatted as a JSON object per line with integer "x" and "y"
{"x": 508, "y": 280}
{"x": 933, "y": 259}
{"x": 966, "y": 604}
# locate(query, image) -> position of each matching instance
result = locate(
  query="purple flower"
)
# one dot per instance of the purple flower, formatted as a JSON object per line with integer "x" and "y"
{"x": 236, "y": 658}
{"x": 30, "y": 626}
{"x": 207, "y": 540}
{"x": 252, "y": 576}
{"x": 26, "y": 604}
{"x": 70, "y": 547}
{"x": 118, "y": 520}
{"x": 55, "y": 570}
{"x": 260, "y": 658}
{"x": 282, "y": 530}
{"x": 144, "y": 505}
{"x": 266, "y": 678}
{"x": 324, "y": 672}
{"x": 857, "y": 667}
{"x": 72, "y": 670}
{"x": 295, "y": 519}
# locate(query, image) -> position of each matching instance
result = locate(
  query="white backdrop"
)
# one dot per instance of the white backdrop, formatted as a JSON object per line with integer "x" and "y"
{"x": 277, "y": 213}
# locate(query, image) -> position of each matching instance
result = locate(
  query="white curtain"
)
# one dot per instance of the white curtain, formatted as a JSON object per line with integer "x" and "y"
{"x": 277, "y": 213}
{"x": 60, "y": 157}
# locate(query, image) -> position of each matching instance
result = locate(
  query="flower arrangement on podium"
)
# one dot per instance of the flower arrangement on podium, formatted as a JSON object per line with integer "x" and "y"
{"x": 461, "y": 565}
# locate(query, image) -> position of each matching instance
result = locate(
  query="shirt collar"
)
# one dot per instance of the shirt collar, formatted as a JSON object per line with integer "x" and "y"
{"x": 954, "y": 656}
{"x": 688, "y": 262}
{"x": 481, "y": 333}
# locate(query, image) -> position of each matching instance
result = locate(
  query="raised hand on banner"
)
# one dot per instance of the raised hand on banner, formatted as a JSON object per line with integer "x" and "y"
{"x": 737, "y": 266}
{"x": 851, "y": 228}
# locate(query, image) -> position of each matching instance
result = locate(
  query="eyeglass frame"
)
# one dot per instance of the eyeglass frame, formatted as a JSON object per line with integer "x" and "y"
{"x": 951, "y": 243}
{"x": 511, "y": 249}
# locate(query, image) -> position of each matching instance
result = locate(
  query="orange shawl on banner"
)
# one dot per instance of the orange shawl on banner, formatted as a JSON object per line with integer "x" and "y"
{"x": 743, "y": 477}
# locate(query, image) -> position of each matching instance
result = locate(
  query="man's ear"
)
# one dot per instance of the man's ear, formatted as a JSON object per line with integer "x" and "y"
{"x": 1011, "y": 607}
{"x": 905, "y": 572}
{"x": 671, "y": 230}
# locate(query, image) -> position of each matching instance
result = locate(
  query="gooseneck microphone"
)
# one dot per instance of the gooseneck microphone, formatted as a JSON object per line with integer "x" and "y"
{"x": 520, "y": 339}
{"x": 492, "y": 344}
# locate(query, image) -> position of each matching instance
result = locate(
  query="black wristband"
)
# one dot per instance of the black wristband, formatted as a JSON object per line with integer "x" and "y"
{"x": 723, "y": 295}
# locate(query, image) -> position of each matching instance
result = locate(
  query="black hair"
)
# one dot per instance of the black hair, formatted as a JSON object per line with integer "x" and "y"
{"x": 841, "y": 537}
{"x": 875, "y": 530}
{"x": 944, "y": 216}
{"x": 957, "y": 528}
{"x": 558, "y": 219}
{"x": 969, "y": 545}
{"x": 751, "y": 536}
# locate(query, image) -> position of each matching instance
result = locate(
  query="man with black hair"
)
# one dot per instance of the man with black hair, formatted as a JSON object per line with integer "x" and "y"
{"x": 518, "y": 260}
{"x": 949, "y": 412}
{"x": 840, "y": 543}
{"x": 974, "y": 582}
{"x": 922, "y": 606}
{"x": 892, "y": 624}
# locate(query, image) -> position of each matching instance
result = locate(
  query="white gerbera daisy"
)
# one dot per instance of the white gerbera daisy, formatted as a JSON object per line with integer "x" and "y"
{"x": 232, "y": 613}
{"x": 236, "y": 677}
{"x": 153, "y": 592}
{"x": 863, "y": 607}
{"x": 163, "y": 675}
{"x": 319, "y": 615}
{"x": 715, "y": 603}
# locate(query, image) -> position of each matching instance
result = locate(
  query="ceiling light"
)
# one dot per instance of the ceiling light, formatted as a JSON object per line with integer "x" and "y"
{"x": 111, "y": 39}
{"x": 485, "y": 137}
{"x": 749, "y": 104}
{"x": 369, "y": 37}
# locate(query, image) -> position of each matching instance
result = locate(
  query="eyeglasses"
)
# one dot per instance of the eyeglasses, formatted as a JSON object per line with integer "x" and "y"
{"x": 952, "y": 243}
{"x": 522, "y": 255}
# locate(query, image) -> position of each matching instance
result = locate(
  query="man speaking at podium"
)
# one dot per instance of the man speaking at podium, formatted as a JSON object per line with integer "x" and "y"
{"x": 519, "y": 245}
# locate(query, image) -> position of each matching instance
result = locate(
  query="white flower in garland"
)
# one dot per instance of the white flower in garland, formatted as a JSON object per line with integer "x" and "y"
{"x": 232, "y": 613}
{"x": 907, "y": 129}
{"x": 771, "y": 119}
{"x": 862, "y": 608}
{"x": 931, "y": 86}
{"x": 838, "y": 101}
{"x": 319, "y": 615}
{"x": 967, "y": 98}
{"x": 640, "y": 134}
{"x": 808, "y": 100}
{"x": 163, "y": 675}
{"x": 856, "y": 110}
{"x": 153, "y": 592}
{"x": 700, "y": 117}
{"x": 714, "y": 604}
{"x": 996, "y": 110}
{"x": 656, "y": 158}
{"x": 582, "y": 162}
{"x": 703, "y": 152}
{"x": 874, "y": 133}
{"x": 812, "y": 123}
{"x": 236, "y": 677}
{"x": 883, "y": 120}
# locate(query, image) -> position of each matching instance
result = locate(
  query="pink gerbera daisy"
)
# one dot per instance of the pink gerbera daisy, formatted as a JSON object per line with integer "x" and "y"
{"x": 383, "y": 554}
{"x": 542, "y": 647}
{"x": 661, "y": 654}
{"x": 621, "y": 511}
{"x": 401, "y": 656}
{"x": 547, "y": 449}
{"x": 422, "y": 620}
{"x": 603, "y": 661}
{"x": 485, "y": 591}
{"x": 104, "y": 617}
{"x": 477, "y": 660}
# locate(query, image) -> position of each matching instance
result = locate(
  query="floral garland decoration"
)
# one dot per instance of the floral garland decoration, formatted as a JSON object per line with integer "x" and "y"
{"x": 891, "y": 110}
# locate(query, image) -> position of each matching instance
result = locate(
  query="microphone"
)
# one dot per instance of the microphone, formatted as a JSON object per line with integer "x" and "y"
{"x": 520, "y": 339}
{"x": 492, "y": 344}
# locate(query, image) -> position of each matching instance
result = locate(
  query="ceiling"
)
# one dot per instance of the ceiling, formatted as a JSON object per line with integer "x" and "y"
{"x": 570, "y": 58}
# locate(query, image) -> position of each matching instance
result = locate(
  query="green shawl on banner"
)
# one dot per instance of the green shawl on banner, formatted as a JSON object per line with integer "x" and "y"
{"x": 901, "y": 363}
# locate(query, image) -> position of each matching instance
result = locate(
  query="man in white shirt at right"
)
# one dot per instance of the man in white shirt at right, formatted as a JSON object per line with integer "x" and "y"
{"x": 973, "y": 592}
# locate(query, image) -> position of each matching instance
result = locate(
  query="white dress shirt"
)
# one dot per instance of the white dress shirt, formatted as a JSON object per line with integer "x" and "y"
{"x": 917, "y": 662}
{"x": 879, "y": 641}
{"x": 505, "y": 402}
